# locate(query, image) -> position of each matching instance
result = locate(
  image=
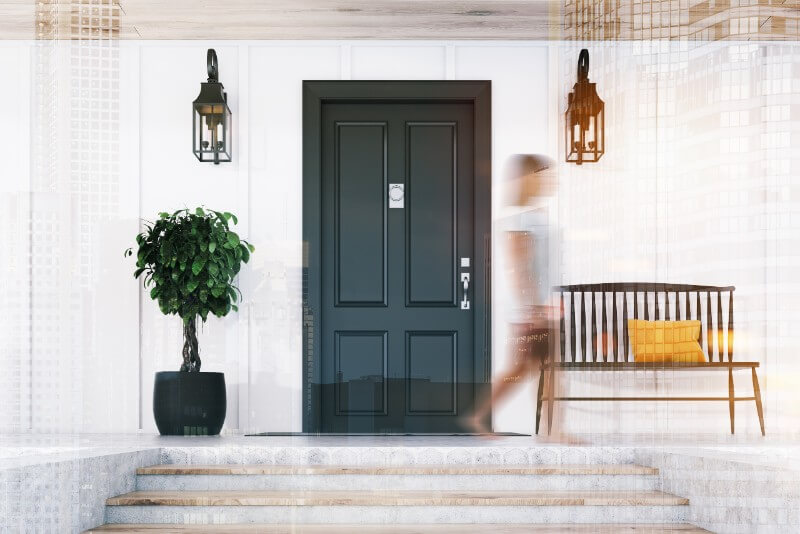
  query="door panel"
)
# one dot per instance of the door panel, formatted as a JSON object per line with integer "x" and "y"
{"x": 396, "y": 346}
{"x": 431, "y": 213}
{"x": 360, "y": 385}
{"x": 360, "y": 174}
{"x": 432, "y": 359}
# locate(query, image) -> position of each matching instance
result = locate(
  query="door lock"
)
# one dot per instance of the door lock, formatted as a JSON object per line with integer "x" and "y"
{"x": 465, "y": 282}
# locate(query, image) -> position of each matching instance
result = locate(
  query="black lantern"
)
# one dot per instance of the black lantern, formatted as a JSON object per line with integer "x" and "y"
{"x": 211, "y": 117}
{"x": 585, "y": 118}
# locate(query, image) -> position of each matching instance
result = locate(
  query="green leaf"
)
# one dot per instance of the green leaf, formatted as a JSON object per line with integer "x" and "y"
{"x": 251, "y": 248}
{"x": 233, "y": 239}
{"x": 213, "y": 269}
{"x": 232, "y": 292}
{"x": 198, "y": 265}
{"x": 200, "y": 212}
{"x": 212, "y": 246}
{"x": 154, "y": 293}
{"x": 221, "y": 217}
{"x": 163, "y": 214}
{"x": 217, "y": 291}
{"x": 191, "y": 285}
{"x": 137, "y": 272}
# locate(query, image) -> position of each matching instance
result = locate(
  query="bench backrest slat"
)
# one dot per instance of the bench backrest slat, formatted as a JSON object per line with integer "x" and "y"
{"x": 601, "y": 327}
{"x": 572, "y": 325}
{"x": 562, "y": 334}
{"x": 614, "y": 336}
{"x": 687, "y": 310}
{"x": 730, "y": 327}
{"x": 625, "y": 324}
{"x": 583, "y": 323}
{"x": 709, "y": 326}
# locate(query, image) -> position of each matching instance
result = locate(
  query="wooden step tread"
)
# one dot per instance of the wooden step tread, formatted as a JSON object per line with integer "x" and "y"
{"x": 396, "y": 498}
{"x": 403, "y": 529}
{"x": 565, "y": 469}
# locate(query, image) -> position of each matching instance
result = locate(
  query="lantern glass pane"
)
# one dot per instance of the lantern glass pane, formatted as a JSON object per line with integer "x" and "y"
{"x": 199, "y": 134}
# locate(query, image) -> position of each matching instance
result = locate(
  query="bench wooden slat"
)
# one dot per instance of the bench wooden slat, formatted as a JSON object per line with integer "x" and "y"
{"x": 655, "y": 305}
{"x": 709, "y": 326}
{"x": 677, "y": 306}
{"x": 583, "y": 326}
{"x": 572, "y": 325}
{"x": 594, "y": 330}
{"x": 687, "y": 310}
{"x": 625, "y": 324}
{"x": 604, "y": 328}
{"x": 614, "y": 335}
{"x": 562, "y": 336}
{"x": 730, "y": 327}
{"x": 720, "y": 340}
{"x": 698, "y": 314}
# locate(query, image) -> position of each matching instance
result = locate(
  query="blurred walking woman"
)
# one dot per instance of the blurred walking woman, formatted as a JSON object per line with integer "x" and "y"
{"x": 528, "y": 194}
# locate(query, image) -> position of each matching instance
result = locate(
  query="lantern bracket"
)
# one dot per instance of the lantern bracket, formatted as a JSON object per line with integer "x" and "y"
{"x": 212, "y": 65}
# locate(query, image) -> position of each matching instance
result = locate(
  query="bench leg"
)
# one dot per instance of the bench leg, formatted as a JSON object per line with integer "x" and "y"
{"x": 551, "y": 393}
{"x": 757, "y": 395}
{"x": 539, "y": 395}
{"x": 731, "y": 403}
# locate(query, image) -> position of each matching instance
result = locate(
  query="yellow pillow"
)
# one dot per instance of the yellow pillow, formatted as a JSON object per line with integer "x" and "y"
{"x": 665, "y": 341}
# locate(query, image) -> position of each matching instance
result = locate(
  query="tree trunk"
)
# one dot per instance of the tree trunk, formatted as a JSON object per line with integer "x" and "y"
{"x": 191, "y": 353}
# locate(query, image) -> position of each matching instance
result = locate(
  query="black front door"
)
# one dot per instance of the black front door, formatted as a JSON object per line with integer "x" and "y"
{"x": 397, "y": 313}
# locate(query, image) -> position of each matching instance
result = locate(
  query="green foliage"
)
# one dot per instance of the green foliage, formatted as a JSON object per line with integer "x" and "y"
{"x": 189, "y": 260}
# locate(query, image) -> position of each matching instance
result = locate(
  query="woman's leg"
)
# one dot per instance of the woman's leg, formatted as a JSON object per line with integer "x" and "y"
{"x": 501, "y": 388}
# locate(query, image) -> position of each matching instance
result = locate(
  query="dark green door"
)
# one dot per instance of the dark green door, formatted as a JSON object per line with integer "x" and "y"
{"x": 397, "y": 234}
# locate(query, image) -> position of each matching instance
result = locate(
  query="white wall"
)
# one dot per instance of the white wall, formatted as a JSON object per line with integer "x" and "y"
{"x": 616, "y": 217}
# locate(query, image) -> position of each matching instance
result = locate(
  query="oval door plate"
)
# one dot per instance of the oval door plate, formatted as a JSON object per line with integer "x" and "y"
{"x": 396, "y": 195}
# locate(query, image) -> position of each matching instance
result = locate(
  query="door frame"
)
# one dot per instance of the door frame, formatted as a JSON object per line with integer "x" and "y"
{"x": 317, "y": 93}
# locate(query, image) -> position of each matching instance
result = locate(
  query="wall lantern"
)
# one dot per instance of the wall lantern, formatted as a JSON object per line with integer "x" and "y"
{"x": 211, "y": 117}
{"x": 585, "y": 118}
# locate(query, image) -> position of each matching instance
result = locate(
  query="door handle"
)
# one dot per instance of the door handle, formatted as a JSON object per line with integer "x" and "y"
{"x": 465, "y": 282}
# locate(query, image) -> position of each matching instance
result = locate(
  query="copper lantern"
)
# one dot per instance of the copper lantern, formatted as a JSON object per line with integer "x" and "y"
{"x": 585, "y": 118}
{"x": 211, "y": 117}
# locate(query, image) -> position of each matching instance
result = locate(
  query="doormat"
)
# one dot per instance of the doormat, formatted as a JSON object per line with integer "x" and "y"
{"x": 391, "y": 434}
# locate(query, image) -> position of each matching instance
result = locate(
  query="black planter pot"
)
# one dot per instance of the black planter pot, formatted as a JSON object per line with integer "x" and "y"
{"x": 189, "y": 404}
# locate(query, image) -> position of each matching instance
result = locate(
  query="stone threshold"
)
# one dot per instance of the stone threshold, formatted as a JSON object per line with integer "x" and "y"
{"x": 683, "y": 528}
{"x": 258, "y": 469}
{"x": 396, "y": 498}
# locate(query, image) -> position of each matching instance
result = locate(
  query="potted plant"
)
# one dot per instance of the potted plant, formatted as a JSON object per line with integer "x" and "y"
{"x": 189, "y": 260}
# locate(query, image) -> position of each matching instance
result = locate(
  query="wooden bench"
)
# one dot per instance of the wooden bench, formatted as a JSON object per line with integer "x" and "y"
{"x": 598, "y": 346}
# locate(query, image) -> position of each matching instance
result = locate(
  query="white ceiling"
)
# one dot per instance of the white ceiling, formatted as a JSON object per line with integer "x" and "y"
{"x": 304, "y": 19}
{"x": 397, "y": 19}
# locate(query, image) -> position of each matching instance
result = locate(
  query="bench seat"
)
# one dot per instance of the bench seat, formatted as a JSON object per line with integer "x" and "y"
{"x": 655, "y": 366}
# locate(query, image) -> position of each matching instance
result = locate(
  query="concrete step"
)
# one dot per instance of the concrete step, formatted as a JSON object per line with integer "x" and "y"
{"x": 400, "y": 506}
{"x": 408, "y": 477}
{"x": 682, "y": 528}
